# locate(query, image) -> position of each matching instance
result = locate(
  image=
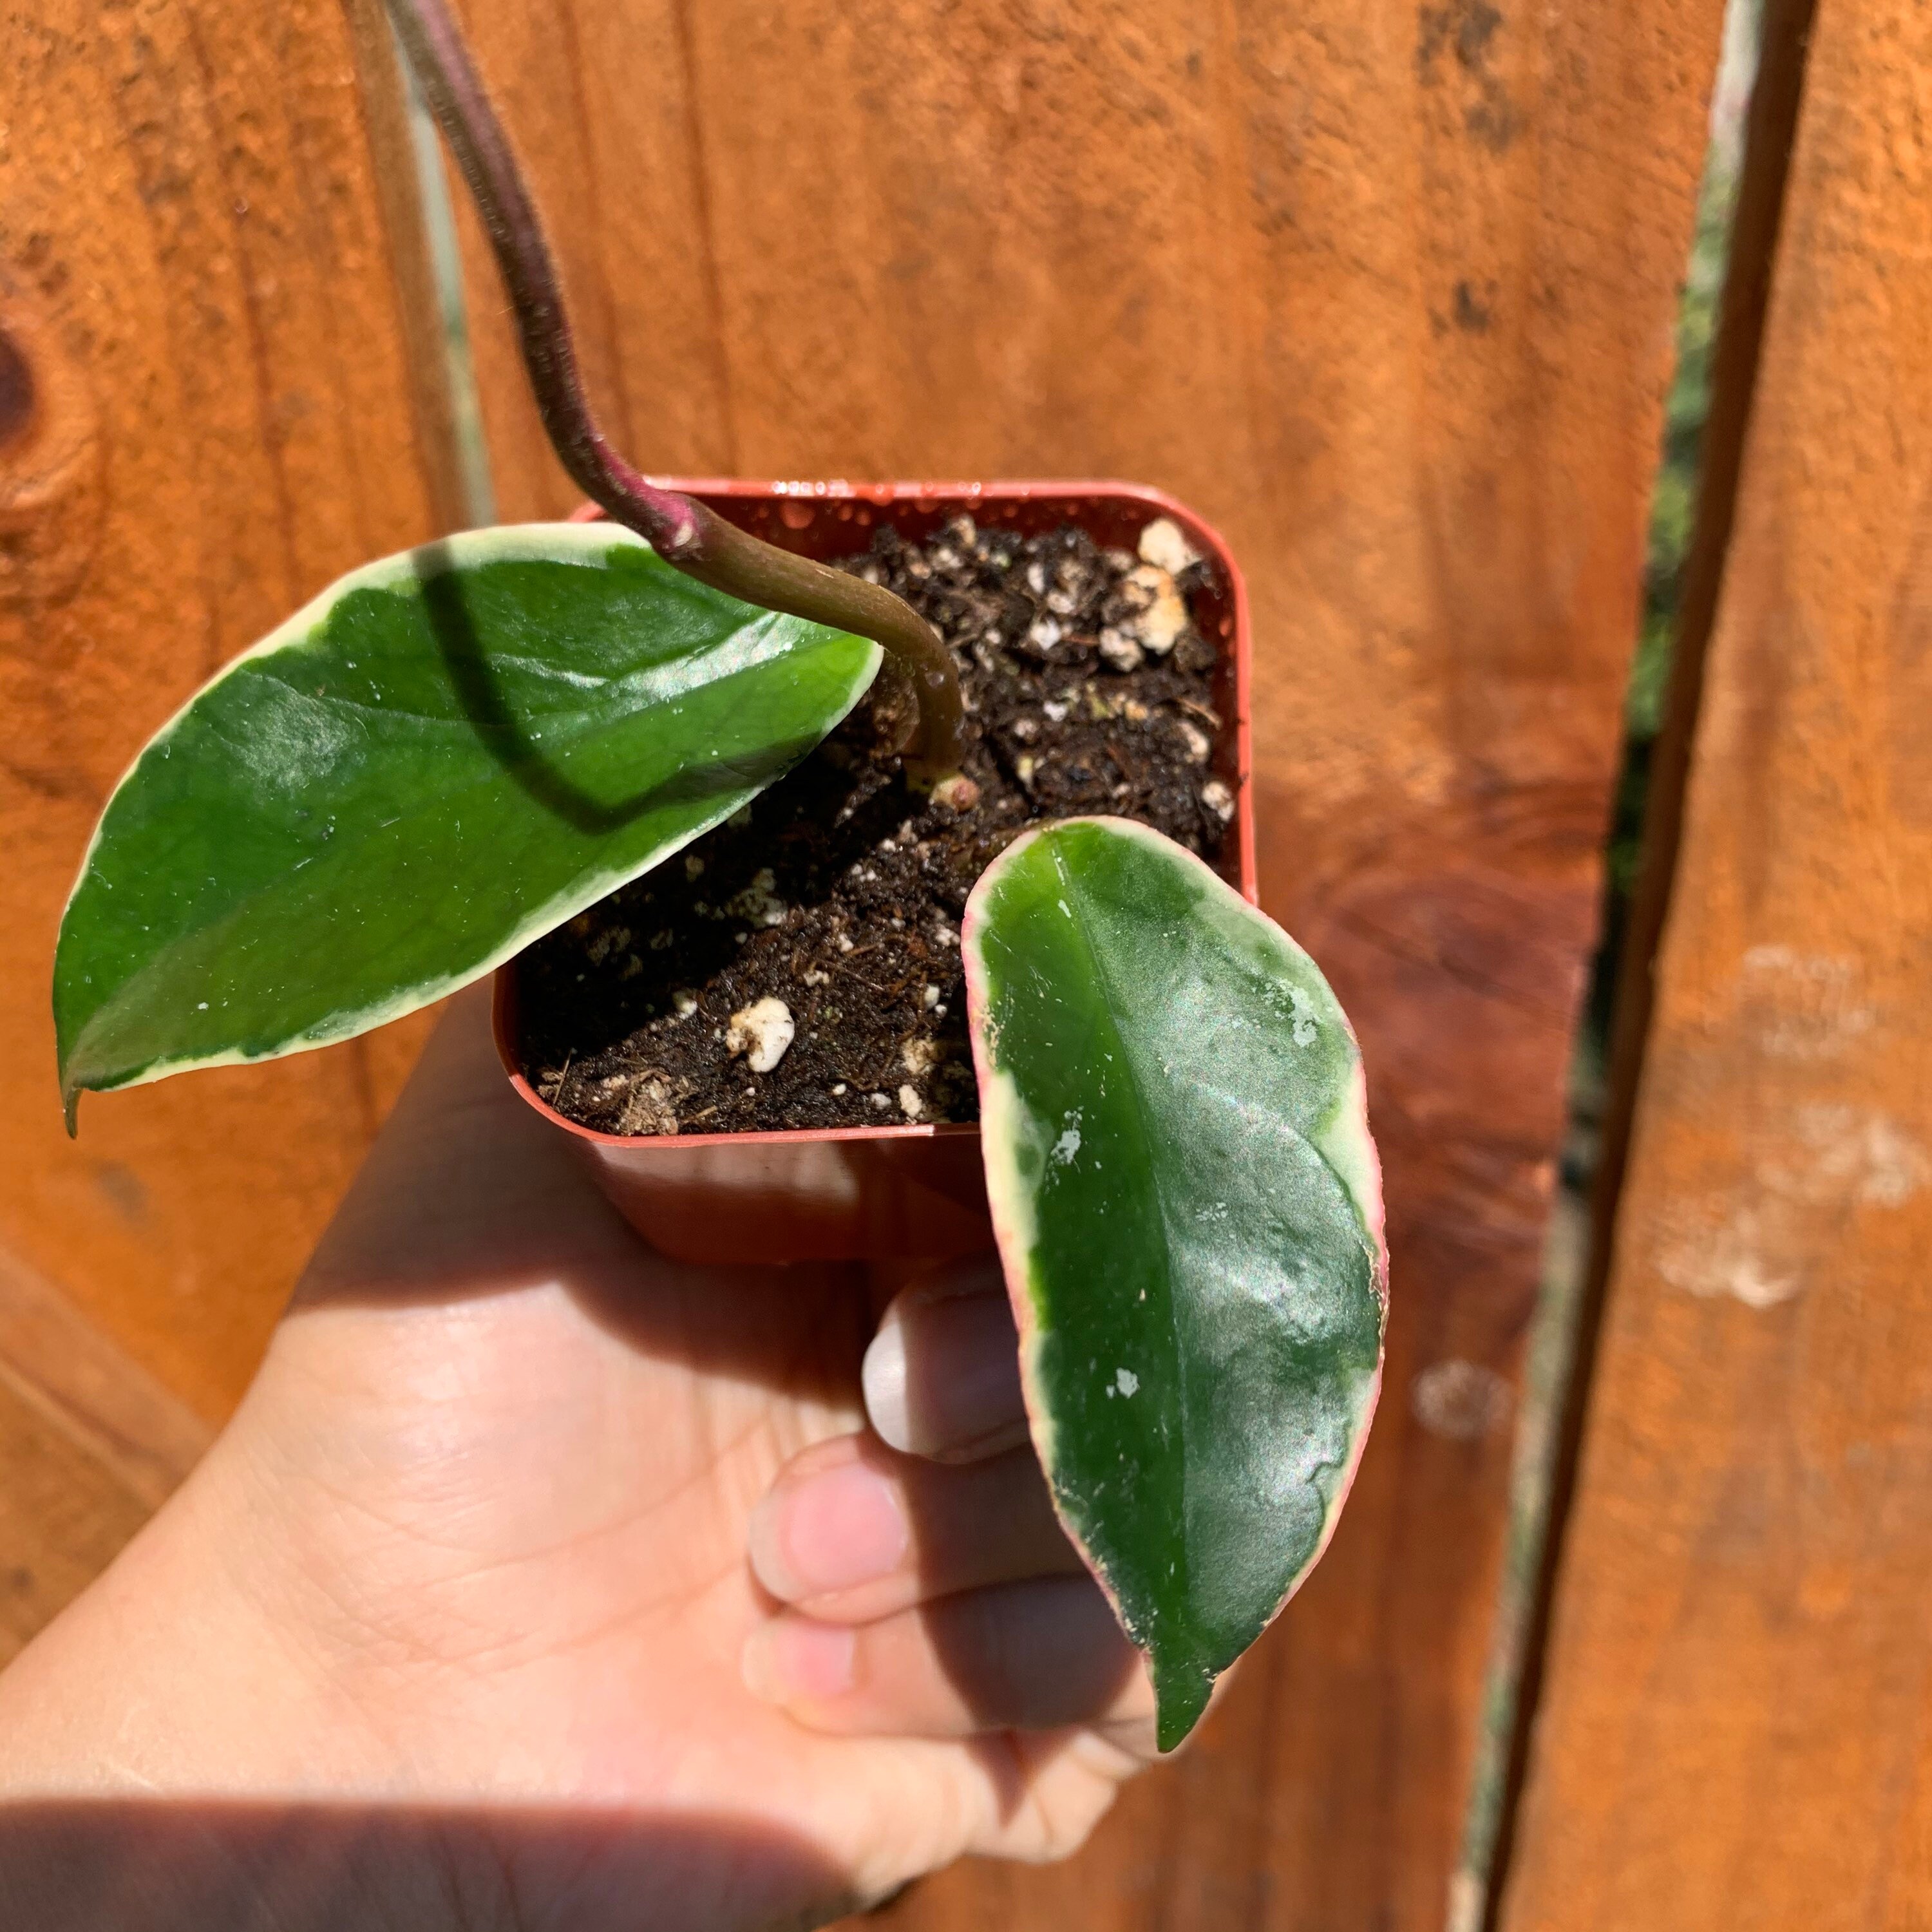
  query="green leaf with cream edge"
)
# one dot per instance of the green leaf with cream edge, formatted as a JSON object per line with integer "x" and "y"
{"x": 1188, "y": 1206}
{"x": 445, "y": 755}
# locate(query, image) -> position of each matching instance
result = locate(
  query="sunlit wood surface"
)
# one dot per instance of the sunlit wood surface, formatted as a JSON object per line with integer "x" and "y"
{"x": 1737, "y": 1723}
{"x": 1384, "y": 292}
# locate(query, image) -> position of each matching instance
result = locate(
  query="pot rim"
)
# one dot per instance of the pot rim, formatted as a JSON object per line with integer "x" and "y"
{"x": 931, "y": 494}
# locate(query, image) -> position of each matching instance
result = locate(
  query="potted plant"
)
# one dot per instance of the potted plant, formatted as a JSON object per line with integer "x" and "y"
{"x": 821, "y": 932}
{"x": 890, "y": 1172}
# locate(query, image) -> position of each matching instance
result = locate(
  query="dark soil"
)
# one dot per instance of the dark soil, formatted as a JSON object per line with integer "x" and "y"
{"x": 839, "y": 892}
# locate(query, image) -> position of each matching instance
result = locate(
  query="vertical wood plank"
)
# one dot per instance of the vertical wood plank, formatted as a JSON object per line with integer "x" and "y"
{"x": 1770, "y": 131}
{"x": 600, "y": 100}
{"x": 1737, "y": 1726}
{"x": 1386, "y": 291}
{"x": 90, "y": 1443}
{"x": 209, "y": 408}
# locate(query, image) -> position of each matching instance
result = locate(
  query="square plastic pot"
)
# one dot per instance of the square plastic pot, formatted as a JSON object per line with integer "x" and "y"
{"x": 908, "y": 1192}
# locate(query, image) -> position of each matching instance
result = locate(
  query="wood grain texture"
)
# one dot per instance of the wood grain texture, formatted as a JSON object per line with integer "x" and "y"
{"x": 1770, "y": 132}
{"x": 1737, "y": 1727}
{"x": 1386, "y": 292}
{"x": 56, "y": 1361}
{"x": 63, "y": 1518}
{"x": 207, "y": 411}
{"x": 90, "y": 1443}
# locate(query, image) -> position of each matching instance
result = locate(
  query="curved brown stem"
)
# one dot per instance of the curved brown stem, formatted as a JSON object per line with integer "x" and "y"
{"x": 683, "y": 532}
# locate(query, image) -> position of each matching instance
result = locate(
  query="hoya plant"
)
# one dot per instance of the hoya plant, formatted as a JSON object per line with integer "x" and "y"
{"x": 453, "y": 752}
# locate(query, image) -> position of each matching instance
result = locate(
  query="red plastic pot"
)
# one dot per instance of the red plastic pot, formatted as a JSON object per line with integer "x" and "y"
{"x": 878, "y": 1192}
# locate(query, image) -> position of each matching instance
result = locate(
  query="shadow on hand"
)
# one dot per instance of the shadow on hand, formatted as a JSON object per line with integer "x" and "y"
{"x": 218, "y": 1865}
{"x": 1038, "y": 1655}
{"x": 467, "y": 1194}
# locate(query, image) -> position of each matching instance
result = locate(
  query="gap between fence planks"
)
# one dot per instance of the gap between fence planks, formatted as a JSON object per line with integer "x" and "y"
{"x": 211, "y": 411}
{"x": 1771, "y": 126}
{"x": 1387, "y": 293}
{"x": 1737, "y": 1725}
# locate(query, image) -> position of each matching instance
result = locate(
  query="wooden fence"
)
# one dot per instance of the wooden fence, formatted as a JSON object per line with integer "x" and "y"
{"x": 1386, "y": 292}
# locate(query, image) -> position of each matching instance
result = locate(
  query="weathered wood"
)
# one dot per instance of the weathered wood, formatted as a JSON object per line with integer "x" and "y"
{"x": 63, "y": 1518}
{"x": 1735, "y": 1726}
{"x": 1387, "y": 295}
{"x": 57, "y": 1362}
{"x": 207, "y": 410}
{"x": 90, "y": 1443}
{"x": 600, "y": 100}
{"x": 1770, "y": 129}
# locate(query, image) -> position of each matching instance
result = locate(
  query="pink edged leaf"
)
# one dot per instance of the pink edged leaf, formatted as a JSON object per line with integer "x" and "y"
{"x": 1188, "y": 1208}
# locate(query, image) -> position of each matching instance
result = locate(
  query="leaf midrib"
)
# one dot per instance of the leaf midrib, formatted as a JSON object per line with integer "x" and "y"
{"x": 1069, "y": 898}
{"x": 488, "y": 776}
{"x": 235, "y": 911}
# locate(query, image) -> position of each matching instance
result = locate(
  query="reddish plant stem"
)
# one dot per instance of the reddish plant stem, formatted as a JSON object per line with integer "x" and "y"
{"x": 684, "y": 533}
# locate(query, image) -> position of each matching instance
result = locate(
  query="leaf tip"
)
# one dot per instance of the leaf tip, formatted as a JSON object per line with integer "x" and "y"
{"x": 1181, "y": 1692}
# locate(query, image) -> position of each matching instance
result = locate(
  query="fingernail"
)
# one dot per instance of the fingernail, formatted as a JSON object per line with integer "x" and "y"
{"x": 832, "y": 1530}
{"x": 884, "y": 1378}
{"x": 883, "y": 1374}
{"x": 942, "y": 1376}
{"x": 794, "y": 1660}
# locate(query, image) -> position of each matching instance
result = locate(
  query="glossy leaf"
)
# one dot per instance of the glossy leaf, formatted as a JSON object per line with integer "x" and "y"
{"x": 443, "y": 756}
{"x": 1189, "y": 1208}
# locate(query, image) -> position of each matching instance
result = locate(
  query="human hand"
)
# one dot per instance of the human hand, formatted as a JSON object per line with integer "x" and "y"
{"x": 455, "y": 1625}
